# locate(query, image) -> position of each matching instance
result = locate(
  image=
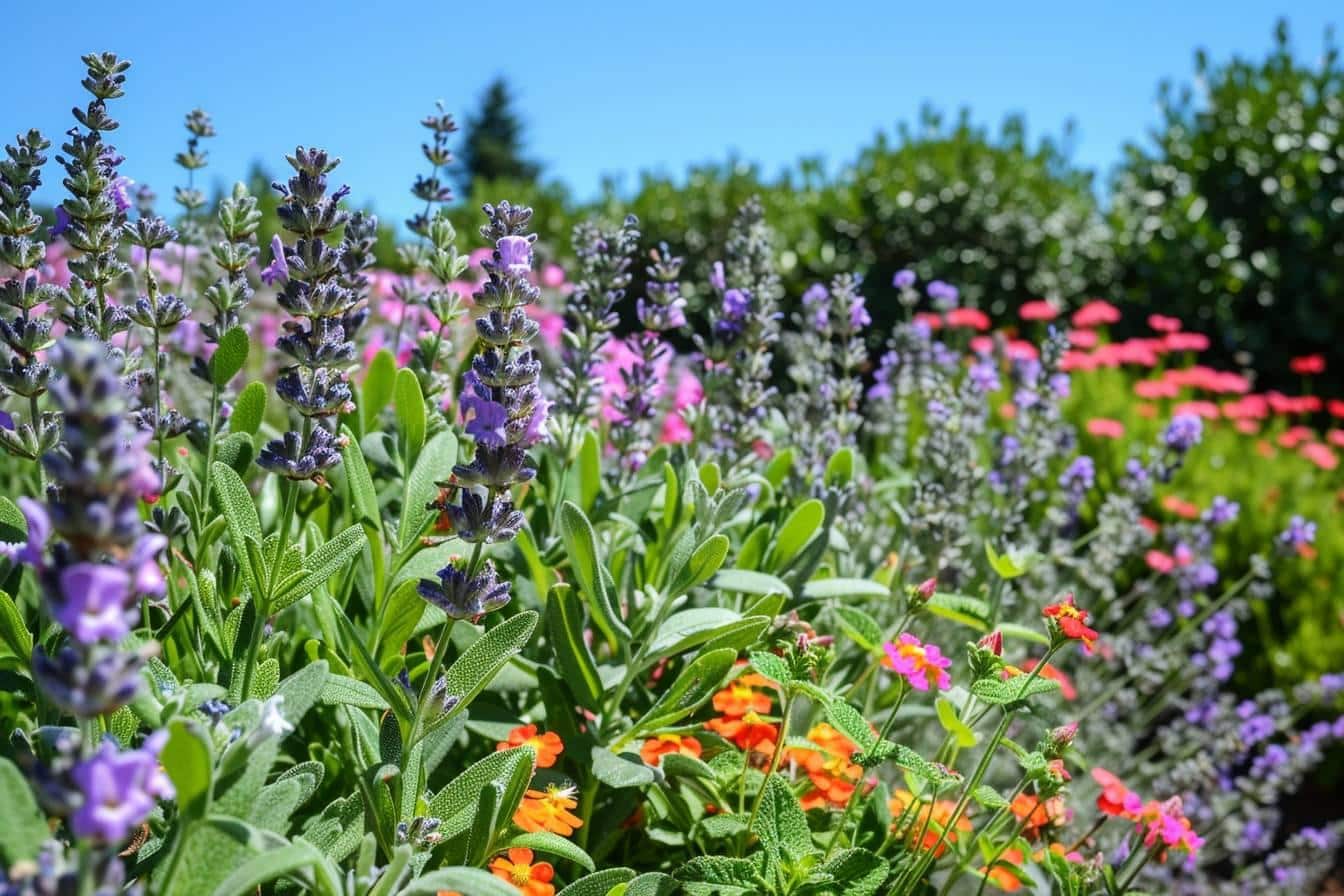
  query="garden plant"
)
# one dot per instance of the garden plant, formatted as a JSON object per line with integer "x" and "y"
{"x": 321, "y": 577}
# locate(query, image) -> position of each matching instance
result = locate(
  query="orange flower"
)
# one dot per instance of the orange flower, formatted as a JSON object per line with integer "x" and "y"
{"x": 829, "y": 769}
{"x": 1036, "y": 813}
{"x": 750, "y": 732}
{"x": 1072, "y": 621}
{"x": 549, "y": 811}
{"x": 1049, "y": 672}
{"x": 532, "y": 878}
{"x": 549, "y": 746}
{"x": 930, "y": 819}
{"x": 1001, "y": 875}
{"x": 658, "y": 746}
{"x": 741, "y": 697}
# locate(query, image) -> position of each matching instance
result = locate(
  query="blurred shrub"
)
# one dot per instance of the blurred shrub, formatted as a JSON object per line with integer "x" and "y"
{"x": 1234, "y": 216}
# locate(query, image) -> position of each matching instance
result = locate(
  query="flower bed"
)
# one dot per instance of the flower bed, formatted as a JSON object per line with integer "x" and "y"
{"x": 319, "y": 578}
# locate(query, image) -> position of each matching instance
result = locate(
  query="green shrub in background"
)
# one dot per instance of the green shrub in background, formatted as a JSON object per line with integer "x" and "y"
{"x": 1235, "y": 217}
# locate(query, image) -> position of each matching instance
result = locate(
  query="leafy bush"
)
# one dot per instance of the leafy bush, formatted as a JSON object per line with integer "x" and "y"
{"x": 495, "y": 602}
{"x": 1233, "y": 219}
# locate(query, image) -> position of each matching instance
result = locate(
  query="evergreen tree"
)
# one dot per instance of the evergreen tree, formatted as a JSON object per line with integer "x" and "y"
{"x": 492, "y": 148}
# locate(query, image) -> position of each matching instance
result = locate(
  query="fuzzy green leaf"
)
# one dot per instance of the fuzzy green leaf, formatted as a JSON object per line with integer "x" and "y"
{"x": 574, "y": 661}
{"x": 410, "y": 407}
{"x": 249, "y": 410}
{"x": 25, "y": 825}
{"x": 553, "y": 844}
{"x": 229, "y": 357}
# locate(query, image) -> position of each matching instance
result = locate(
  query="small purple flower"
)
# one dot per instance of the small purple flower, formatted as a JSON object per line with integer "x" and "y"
{"x": 717, "y": 279}
{"x": 1183, "y": 433}
{"x": 1221, "y": 511}
{"x": 1299, "y": 534}
{"x": 94, "y": 602}
{"x": 736, "y": 302}
{"x": 1080, "y": 475}
{"x": 119, "y": 789}
{"x": 278, "y": 270}
{"x": 515, "y": 254}
{"x": 486, "y": 420}
{"x": 39, "y": 530}
{"x": 904, "y": 279}
{"x": 62, "y": 223}
{"x": 1060, "y": 384}
{"x": 146, "y": 575}
{"x": 858, "y": 314}
{"x": 944, "y": 295}
{"x": 985, "y": 376}
{"x": 119, "y": 191}
{"x": 814, "y": 295}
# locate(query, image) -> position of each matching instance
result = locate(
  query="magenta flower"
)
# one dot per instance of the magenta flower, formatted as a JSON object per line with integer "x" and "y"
{"x": 94, "y": 602}
{"x": 119, "y": 789}
{"x": 922, "y": 665}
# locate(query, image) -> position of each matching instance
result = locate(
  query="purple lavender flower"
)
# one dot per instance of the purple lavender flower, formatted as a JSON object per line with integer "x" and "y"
{"x": 62, "y": 223}
{"x": 985, "y": 375}
{"x": 119, "y": 789}
{"x": 717, "y": 279}
{"x": 1183, "y": 433}
{"x": 95, "y": 602}
{"x": 278, "y": 270}
{"x": 39, "y": 530}
{"x": 858, "y": 314}
{"x": 1221, "y": 511}
{"x": 515, "y": 254}
{"x": 1080, "y": 475}
{"x": 943, "y": 295}
{"x": 904, "y": 279}
{"x": 1299, "y": 534}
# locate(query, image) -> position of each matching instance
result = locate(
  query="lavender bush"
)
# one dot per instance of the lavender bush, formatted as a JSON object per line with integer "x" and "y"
{"x": 495, "y": 599}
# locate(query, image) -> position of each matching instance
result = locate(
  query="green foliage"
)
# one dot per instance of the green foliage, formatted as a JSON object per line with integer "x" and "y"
{"x": 1232, "y": 219}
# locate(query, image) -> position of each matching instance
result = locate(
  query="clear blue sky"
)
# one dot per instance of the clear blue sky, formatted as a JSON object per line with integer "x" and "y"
{"x": 611, "y": 88}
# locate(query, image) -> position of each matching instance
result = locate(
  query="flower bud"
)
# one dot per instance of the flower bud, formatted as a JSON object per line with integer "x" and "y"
{"x": 993, "y": 642}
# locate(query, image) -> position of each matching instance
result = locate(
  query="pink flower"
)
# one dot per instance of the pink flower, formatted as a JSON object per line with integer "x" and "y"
{"x": 922, "y": 665}
{"x": 1096, "y": 313}
{"x": 553, "y": 276}
{"x": 1039, "y": 309}
{"x": 1103, "y": 428}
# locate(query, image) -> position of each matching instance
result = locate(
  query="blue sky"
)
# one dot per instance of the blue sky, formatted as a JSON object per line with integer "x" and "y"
{"x": 612, "y": 88}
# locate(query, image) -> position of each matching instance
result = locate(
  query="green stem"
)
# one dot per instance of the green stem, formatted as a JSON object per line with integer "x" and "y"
{"x": 774, "y": 761}
{"x": 976, "y": 777}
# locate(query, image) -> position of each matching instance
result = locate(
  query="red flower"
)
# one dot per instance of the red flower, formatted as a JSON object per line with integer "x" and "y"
{"x": 1335, "y": 407}
{"x": 1038, "y": 309}
{"x": 1071, "y": 621}
{"x": 1116, "y": 799}
{"x": 1308, "y": 365}
{"x": 1096, "y": 313}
